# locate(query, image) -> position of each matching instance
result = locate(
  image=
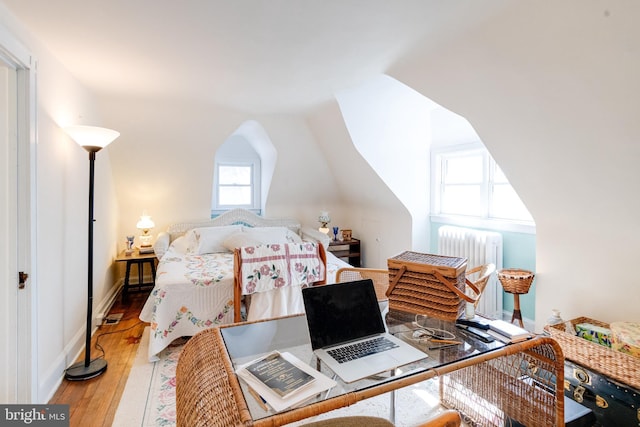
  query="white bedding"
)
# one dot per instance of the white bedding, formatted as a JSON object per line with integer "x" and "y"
{"x": 194, "y": 292}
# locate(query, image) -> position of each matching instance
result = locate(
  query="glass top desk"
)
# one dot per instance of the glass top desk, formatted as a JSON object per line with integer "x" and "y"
{"x": 524, "y": 380}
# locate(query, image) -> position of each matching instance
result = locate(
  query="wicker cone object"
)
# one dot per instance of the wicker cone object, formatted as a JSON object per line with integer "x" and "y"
{"x": 515, "y": 280}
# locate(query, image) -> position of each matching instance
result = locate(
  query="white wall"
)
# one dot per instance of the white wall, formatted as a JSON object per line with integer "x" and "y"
{"x": 552, "y": 92}
{"x": 389, "y": 125}
{"x": 62, "y": 216}
{"x": 368, "y": 206}
{"x": 449, "y": 128}
{"x": 164, "y": 162}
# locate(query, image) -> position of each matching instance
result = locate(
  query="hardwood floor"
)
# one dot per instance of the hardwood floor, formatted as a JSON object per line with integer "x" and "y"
{"x": 93, "y": 403}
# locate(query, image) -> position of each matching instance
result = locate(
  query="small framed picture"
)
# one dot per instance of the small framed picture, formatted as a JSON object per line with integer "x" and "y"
{"x": 346, "y": 234}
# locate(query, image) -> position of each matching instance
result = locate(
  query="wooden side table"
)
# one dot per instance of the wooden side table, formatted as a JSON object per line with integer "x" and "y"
{"x": 138, "y": 259}
{"x": 347, "y": 250}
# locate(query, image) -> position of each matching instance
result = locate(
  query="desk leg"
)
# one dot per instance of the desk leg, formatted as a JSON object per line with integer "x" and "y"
{"x": 392, "y": 402}
{"x": 126, "y": 279}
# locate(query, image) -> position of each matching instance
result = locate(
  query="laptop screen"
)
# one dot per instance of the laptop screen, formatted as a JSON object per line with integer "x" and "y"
{"x": 342, "y": 312}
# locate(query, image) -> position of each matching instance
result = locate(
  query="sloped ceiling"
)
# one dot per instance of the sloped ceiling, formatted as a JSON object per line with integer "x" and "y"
{"x": 251, "y": 55}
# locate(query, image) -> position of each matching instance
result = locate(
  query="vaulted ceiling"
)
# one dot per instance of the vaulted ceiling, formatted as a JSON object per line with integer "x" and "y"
{"x": 251, "y": 55}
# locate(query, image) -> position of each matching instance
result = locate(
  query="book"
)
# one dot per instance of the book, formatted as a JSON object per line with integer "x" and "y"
{"x": 279, "y": 374}
{"x": 508, "y": 332}
{"x": 276, "y": 401}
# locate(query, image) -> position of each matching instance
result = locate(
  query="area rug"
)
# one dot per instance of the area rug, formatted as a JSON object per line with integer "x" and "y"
{"x": 149, "y": 396}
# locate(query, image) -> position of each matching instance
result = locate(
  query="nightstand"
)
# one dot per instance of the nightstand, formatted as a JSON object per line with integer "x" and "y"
{"x": 346, "y": 250}
{"x": 138, "y": 259}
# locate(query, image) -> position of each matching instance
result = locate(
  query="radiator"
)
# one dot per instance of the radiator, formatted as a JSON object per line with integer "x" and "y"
{"x": 479, "y": 247}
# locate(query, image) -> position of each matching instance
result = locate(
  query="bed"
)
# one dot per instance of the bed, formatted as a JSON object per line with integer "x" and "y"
{"x": 194, "y": 287}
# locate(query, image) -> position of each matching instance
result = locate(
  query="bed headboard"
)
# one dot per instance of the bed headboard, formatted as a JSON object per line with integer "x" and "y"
{"x": 232, "y": 217}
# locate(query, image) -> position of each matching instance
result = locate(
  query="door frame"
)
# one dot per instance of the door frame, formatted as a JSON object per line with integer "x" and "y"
{"x": 23, "y": 175}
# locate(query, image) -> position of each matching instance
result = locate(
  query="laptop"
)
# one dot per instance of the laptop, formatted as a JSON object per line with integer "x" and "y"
{"x": 345, "y": 317}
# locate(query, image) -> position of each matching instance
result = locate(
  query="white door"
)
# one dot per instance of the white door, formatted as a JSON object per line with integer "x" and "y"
{"x": 8, "y": 247}
{"x": 17, "y": 86}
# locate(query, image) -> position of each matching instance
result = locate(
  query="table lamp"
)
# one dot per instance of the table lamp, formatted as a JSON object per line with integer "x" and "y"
{"x": 145, "y": 224}
{"x": 324, "y": 220}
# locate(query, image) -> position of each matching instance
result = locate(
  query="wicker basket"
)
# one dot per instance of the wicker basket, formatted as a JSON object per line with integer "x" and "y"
{"x": 427, "y": 284}
{"x": 613, "y": 364}
{"x": 515, "y": 280}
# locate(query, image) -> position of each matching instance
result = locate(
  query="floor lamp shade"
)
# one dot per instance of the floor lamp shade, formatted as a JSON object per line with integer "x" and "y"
{"x": 92, "y": 139}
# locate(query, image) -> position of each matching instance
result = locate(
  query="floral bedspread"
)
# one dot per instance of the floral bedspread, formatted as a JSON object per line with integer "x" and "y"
{"x": 272, "y": 266}
{"x": 195, "y": 292}
{"x": 192, "y": 293}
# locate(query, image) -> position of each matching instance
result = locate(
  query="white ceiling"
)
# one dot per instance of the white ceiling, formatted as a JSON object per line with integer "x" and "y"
{"x": 253, "y": 55}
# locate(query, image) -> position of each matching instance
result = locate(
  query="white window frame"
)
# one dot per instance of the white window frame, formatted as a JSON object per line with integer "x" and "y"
{"x": 485, "y": 220}
{"x": 255, "y": 187}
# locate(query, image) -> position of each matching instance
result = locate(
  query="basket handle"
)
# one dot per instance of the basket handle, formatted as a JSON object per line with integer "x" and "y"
{"x": 396, "y": 279}
{"x": 473, "y": 287}
{"x": 453, "y": 288}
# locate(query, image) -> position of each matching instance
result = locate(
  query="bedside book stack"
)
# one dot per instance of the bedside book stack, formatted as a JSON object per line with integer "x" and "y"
{"x": 507, "y": 332}
{"x": 281, "y": 380}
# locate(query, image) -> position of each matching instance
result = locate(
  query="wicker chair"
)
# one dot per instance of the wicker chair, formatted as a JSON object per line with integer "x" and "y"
{"x": 380, "y": 279}
{"x": 483, "y": 273}
{"x": 204, "y": 395}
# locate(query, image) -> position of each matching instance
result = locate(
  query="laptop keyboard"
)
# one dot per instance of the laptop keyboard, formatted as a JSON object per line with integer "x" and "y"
{"x": 361, "y": 349}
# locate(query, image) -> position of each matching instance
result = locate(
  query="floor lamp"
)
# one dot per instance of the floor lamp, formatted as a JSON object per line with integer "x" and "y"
{"x": 92, "y": 139}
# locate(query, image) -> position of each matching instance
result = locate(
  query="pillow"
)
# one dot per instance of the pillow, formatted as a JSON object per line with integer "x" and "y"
{"x": 210, "y": 240}
{"x": 190, "y": 241}
{"x": 313, "y": 235}
{"x": 181, "y": 245}
{"x": 267, "y": 235}
{"x": 161, "y": 244}
{"x": 239, "y": 240}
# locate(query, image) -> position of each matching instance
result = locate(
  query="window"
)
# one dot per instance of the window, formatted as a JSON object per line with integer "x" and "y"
{"x": 236, "y": 185}
{"x": 467, "y": 182}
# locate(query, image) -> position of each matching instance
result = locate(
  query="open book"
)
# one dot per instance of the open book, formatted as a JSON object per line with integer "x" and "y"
{"x": 280, "y": 375}
{"x": 507, "y": 332}
{"x": 283, "y": 380}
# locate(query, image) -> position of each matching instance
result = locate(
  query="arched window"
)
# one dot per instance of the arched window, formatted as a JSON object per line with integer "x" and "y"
{"x": 243, "y": 169}
{"x": 236, "y": 177}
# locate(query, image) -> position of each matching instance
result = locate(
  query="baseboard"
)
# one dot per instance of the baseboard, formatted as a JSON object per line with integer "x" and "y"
{"x": 50, "y": 382}
{"x": 105, "y": 305}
